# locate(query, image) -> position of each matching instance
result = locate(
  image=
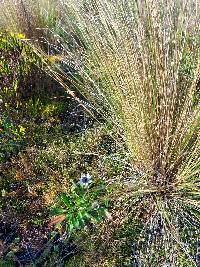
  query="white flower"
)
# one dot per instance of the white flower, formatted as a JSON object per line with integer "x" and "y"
{"x": 85, "y": 179}
{"x": 1, "y": 101}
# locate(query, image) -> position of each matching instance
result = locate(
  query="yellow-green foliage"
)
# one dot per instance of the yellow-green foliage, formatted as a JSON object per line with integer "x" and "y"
{"x": 17, "y": 62}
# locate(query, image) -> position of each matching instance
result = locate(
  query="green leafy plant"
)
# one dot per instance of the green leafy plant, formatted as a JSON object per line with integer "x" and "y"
{"x": 82, "y": 205}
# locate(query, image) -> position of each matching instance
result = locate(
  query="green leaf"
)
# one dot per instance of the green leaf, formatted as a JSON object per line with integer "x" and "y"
{"x": 70, "y": 228}
{"x": 67, "y": 201}
{"x": 81, "y": 218}
{"x": 70, "y": 217}
{"x": 102, "y": 211}
{"x": 58, "y": 211}
{"x": 79, "y": 190}
{"x": 106, "y": 202}
{"x": 87, "y": 215}
{"x": 98, "y": 218}
{"x": 76, "y": 223}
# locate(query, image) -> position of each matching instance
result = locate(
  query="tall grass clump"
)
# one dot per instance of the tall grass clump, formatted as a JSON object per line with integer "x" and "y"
{"x": 137, "y": 63}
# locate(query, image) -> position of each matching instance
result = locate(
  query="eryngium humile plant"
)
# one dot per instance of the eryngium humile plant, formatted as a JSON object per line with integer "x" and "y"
{"x": 137, "y": 63}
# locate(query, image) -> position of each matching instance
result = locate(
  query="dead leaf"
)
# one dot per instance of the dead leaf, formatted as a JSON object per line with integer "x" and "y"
{"x": 57, "y": 219}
